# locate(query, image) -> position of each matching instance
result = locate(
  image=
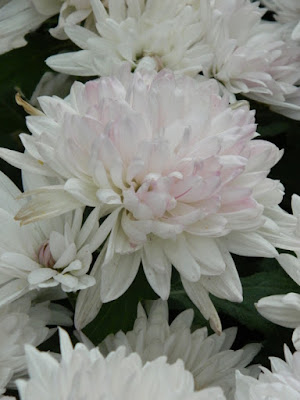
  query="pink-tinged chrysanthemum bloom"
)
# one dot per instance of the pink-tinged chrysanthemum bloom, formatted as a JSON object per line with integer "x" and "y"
{"x": 19, "y": 17}
{"x": 287, "y": 12}
{"x": 175, "y": 170}
{"x": 50, "y": 253}
{"x": 281, "y": 383}
{"x": 86, "y": 374}
{"x": 224, "y": 40}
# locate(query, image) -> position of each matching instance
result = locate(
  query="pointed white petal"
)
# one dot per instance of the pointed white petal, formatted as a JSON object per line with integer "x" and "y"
{"x": 118, "y": 274}
{"x": 199, "y": 296}
{"x": 249, "y": 244}
{"x": 159, "y": 280}
{"x": 89, "y": 301}
{"x": 226, "y": 285}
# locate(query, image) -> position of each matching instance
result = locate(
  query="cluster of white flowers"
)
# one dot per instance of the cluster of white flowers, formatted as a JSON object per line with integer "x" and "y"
{"x": 154, "y": 164}
{"x": 181, "y": 182}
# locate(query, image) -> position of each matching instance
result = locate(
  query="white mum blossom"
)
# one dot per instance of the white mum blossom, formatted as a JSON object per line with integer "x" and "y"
{"x": 22, "y": 323}
{"x": 86, "y": 374}
{"x": 281, "y": 383}
{"x": 208, "y": 358}
{"x": 250, "y": 56}
{"x": 144, "y": 33}
{"x": 175, "y": 170}
{"x": 42, "y": 255}
{"x": 287, "y": 12}
{"x": 19, "y": 17}
{"x": 224, "y": 40}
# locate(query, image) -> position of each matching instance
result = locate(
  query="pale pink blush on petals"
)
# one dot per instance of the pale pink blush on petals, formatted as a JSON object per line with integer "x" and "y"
{"x": 173, "y": 167}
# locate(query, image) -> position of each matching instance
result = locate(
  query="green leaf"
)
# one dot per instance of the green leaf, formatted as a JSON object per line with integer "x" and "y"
{"x": 255, "y": 287}
{"x": 250, "y": 322}
{"x": 273, "y": 129}
{"x": 120, "y": 314}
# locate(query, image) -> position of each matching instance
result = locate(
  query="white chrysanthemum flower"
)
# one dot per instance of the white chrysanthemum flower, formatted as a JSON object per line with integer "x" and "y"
{"x": 251, "y": 58}
{"x": 144, "y": 33}
{"x": 19, "y": 17}
{"x": 175, "y": 169}
{"x": 287, "y": 12}
{"x": 86, "y": 374}
{"x": 281, "y": 383}
{"x": 224, "y": 40}
{"x": 23, "y": 323}
{"x": 248, "y": 388}
{"x": 208, "y": 358}
{"x": 42, "y": 255}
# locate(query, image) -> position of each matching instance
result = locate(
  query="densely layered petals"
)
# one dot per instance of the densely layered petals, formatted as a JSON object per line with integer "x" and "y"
{"x": 173, "y": 167}
{"x": 23, "y": 322}
{"x": 42, "y": 255}
{"x": 146, "y": 34}
{"x": 227, "y": 41}
{"x": 251, "y": 57}
{"x": 250, "y": 388}
{"x": 84, "y": 373}
{"x": 208, "y": 358}
{"x": 282, "y": 382}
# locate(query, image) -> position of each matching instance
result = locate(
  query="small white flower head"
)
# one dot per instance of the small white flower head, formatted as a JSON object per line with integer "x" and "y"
{"x": 248, "y": 388}
{"x": 22, "y": 323}
{"x": 147, "y": 34}
{"x": 86, "y": 374}
{"x": 250, "y": 56}
{"x": 208, "y": 358}
{"x": 282, "y": 382}
{"x": 42, "y": 255}
{"x": 287, "y": 12}
{"x": 174, "y": 168}
{"x": 224, "y": 40}
{"x": 17, "y": 18}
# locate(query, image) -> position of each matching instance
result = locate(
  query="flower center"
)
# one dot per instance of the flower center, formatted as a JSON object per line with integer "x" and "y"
{"x": 45, "y": 256}
{"x": 150, "y": 62}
